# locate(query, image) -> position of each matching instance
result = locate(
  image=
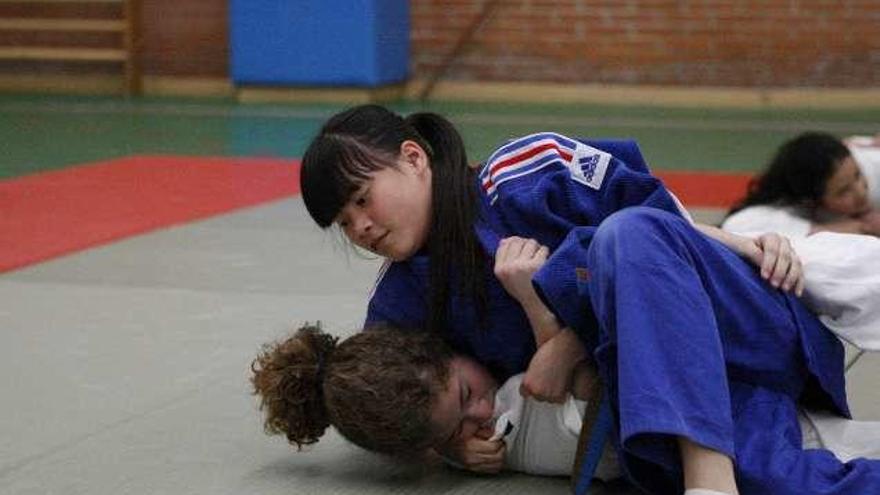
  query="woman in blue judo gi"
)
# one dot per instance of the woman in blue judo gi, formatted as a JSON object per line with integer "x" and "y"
{"x": 686, "y": 335}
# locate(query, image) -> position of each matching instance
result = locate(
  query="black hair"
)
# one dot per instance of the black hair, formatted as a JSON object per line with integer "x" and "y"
{"x": 798, "y": 174}
{"x": 367, "y": 138}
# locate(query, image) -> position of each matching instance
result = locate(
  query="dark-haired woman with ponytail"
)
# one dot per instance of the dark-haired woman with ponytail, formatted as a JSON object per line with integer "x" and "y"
{"x": 666, "y": 314}
{"x": 814, "y": 183}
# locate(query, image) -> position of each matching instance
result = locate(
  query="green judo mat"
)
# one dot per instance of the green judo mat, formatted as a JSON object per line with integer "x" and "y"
{"x": 50, "y": 132}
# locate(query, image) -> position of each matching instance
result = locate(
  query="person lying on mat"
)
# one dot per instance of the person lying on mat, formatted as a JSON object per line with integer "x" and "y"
{"x": 814, "y": 183}
{"x": 403, "y": 392}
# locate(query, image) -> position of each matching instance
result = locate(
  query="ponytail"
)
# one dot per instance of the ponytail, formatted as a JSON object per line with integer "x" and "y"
{"x": 289, "y": 378}
{"x": 376, "y": 387}
{"x": 452, "y": 242}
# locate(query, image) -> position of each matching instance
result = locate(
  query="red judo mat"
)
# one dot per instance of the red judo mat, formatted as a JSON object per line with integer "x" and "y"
{"x": 49, "y": 214}
{"x": 706, "y": 189}
{"x": 54, "y": 213}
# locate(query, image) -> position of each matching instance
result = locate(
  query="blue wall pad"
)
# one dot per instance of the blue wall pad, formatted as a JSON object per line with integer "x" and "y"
{"x": 362, "y": 43}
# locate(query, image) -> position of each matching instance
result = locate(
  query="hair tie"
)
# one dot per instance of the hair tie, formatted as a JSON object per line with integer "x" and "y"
{"x": 320, "y": 370}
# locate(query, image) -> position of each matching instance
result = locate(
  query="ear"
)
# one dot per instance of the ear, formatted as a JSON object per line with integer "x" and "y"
{"x": 413, "y": 155}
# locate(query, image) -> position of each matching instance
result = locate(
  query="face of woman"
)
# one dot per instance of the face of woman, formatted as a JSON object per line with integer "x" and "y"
{"x": 390, "y": 214}
{"x": 466, "y": 404}
{"x": 846, "y": 192}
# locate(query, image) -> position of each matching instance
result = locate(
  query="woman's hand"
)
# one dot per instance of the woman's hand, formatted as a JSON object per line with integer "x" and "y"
{"x": 516, "y": 261}
{"x": 780, "y": 265}
{"x": 549, "y": 375}
{"x": 771, "y": 252}
{"x": 476, "y": 453}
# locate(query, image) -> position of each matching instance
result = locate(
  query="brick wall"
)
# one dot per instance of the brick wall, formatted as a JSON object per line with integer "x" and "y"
{"x": 748, "y": 43}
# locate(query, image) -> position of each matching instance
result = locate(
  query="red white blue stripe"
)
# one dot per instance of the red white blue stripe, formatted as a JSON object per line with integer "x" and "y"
{"x": 524, "y": 156}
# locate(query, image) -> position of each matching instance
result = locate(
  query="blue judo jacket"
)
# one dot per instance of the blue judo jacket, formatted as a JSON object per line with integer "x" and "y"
{"x": 682, "y": 330}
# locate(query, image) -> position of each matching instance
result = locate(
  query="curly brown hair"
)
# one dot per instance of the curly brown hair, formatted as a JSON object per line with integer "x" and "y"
{"x": 376, "y": 387}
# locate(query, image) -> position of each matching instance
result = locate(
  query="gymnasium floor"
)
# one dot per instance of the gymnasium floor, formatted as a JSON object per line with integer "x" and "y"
{"x": 127, "y": 326}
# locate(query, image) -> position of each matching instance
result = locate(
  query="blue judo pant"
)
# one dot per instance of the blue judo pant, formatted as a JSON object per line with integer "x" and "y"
{"x": 693, "y": 343}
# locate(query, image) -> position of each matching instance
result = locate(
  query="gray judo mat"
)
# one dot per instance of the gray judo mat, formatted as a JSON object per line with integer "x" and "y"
{"x": 124, "y": 368}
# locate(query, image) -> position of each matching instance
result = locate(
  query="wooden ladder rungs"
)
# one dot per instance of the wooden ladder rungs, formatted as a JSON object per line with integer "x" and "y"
{"x": 124, "y": 24}
{"x": 62, "y": 54}
{"x": 69, "y": 25}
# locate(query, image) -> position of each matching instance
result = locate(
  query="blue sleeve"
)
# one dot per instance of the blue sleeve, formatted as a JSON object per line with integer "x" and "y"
{"x": 563, "y": 285}
{"x": 544, "y": 185}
